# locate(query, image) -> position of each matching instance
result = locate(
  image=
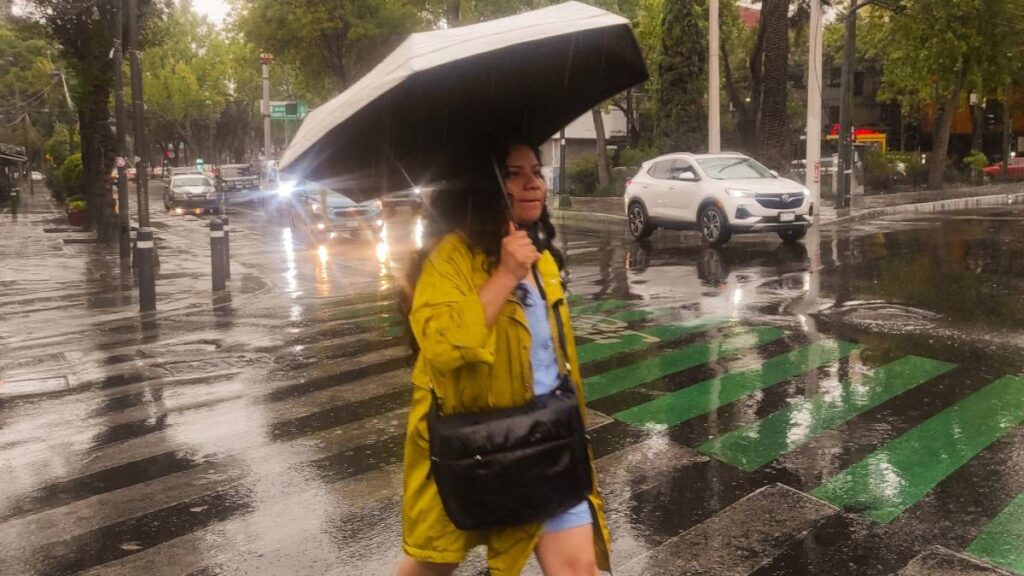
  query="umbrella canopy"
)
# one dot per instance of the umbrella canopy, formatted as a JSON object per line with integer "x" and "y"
{"x": 445, "y": 93}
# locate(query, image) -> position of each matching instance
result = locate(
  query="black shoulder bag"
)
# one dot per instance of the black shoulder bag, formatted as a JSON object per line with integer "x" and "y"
{"x": 512, "y": 466}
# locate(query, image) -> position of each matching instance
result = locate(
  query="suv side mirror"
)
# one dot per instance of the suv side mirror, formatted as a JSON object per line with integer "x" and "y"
{"x": 774, "y": 173}
{"x": 685, "y": 176}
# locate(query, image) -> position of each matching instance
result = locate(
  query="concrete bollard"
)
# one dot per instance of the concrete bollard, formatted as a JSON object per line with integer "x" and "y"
{"x": 227, "y": 248}
{"x": 145, "y": 250}
{"x": 217, "y": 254}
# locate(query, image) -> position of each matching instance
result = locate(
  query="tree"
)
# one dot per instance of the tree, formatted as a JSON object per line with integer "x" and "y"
{"x": 938, "y": 49}
{"x": 773, "y": 128}
{"x": 682, "y": 77}
{"x": 331, "y": 43}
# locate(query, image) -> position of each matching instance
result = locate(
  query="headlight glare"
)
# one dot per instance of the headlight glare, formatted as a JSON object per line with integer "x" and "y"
{"x": 740, "y": 193}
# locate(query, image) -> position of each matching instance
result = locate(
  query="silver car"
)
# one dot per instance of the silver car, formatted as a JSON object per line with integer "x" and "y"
{"x": 192, "y": 192}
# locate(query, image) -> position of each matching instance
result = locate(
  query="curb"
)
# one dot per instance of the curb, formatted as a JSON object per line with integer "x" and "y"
{"x": 585, "y": 217}
{"x": 954, "y": 204}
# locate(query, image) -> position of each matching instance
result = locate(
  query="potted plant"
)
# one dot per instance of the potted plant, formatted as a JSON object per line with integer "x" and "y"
{"x": 76, "y": 211}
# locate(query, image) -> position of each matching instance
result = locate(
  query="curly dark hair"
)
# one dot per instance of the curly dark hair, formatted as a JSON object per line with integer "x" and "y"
{"x": 473, "y": 203}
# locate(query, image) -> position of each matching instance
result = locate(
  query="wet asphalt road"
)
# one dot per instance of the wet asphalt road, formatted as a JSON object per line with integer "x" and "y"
{"x": 849, "y": 405}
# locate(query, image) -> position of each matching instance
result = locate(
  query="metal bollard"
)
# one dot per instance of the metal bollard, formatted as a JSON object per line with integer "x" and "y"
{"x": 132, "y": 234}
{"x": 217, "y": 254}
{"x": 227, "y": 248}
{"x": 145, "y": 249}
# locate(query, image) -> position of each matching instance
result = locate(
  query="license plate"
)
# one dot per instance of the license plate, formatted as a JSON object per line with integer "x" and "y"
{"x": 787, "y": 216}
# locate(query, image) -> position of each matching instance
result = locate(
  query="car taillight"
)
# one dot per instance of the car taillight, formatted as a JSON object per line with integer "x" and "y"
{"x": 628, "y": 182}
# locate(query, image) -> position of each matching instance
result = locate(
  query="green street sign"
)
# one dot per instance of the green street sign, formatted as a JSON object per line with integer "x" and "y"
{"x": 288, "y": 110}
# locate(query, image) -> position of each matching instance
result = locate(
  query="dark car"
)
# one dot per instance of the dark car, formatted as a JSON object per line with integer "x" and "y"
{"x": 325, "y": 214}
{"x": 238, "y": 182}
{"x": 411, "y": 198}
{"x": 192, "y": 192}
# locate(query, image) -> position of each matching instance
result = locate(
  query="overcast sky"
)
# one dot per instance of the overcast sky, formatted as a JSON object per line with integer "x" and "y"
{"x": 215, "y": 10}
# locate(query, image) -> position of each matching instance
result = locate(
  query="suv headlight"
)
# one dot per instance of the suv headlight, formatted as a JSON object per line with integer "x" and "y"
{"x": 805, "y": 191}
{"x": 376, "y": 206}
{"x": 740, "y": 193}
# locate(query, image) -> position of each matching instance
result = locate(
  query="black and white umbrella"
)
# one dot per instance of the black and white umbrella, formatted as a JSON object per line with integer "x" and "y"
{"x": 446, "y": 91}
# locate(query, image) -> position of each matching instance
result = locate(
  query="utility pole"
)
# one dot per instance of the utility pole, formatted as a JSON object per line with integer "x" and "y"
{"x": 266, "y": 59}
{"x": 812, "y": 164}
{"x": 144, "y": 242}
{"x": 28, "y": 153}
{"x": 123, "y": 212}
{"x": 714, "y": 83}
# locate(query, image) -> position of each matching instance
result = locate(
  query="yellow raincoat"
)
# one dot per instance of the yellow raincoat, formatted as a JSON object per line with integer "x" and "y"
{"x": 473, "y": 368}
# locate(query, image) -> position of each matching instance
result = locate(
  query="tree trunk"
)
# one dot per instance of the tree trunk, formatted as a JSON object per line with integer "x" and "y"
{"x": 453, "y": 12}
{"x": 97, "y": 160}
{"x": 603, "y": 177}
{"x": 1007, "y": 129}
{"x": 978, "y": 137}
{"x": 773, "y": 133}
{"x": 940, "y": 140}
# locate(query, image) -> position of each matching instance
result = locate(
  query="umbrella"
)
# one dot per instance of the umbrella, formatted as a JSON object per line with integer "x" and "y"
{"x": 445, "y": 92}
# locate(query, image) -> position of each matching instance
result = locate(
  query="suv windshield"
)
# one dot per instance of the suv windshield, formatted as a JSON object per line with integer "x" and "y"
{"x": 235, "y": 171}
{"x": 732, "y": 168}
{"x": 191, "y": 181}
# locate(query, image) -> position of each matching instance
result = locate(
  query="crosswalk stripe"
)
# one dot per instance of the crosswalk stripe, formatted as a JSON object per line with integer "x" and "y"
{"x": 925, "y": 455}
{"x": 1002, "y": 541}
{"x": 761, "y": 442}
{"x": 636, "y": 340}
{"x": 598, "y": 306}
{"x": 708, "y": 395}
{"x": 627, "y": 377}
{"x": 739, "y": 539}
{"x": 939, "y": 561}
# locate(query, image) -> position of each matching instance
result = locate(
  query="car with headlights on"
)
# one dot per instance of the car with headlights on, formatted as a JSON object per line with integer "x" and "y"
{"x": 410, "y": 198}
{"x": 238, "y": 182}
{"x": 192, "y": 192}
{"x": 718, "y": 195}
{"x": 325, "y": 214}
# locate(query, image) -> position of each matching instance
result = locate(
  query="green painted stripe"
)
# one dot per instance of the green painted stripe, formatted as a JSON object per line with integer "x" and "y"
{"x": 386, "y": 309}
{"x": 671, "y": 362}
{"x": 708, "y": 395}
{"x": 394, "y": 332}
{"x": 1002, "y": 541}
{"x": 639, "y": 339}
{"x": 384, "y": 321}
{"x": 599, "y": 306}
{"x": 759, "y": 443}
{"x": 900, "y": 473}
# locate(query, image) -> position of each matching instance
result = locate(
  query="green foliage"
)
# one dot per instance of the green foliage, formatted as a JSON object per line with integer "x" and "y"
{"x": 682, "y": 77}
{"x": 634, "y": 157}
{"x": 76, "y": 204}
{"x": 581, "y": 176}
{"x": 976, "y": 160}
{"x": 71, "y": 176}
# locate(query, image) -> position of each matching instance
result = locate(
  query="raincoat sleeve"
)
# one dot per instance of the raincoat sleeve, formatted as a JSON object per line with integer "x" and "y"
{"x": 447, "y": 316}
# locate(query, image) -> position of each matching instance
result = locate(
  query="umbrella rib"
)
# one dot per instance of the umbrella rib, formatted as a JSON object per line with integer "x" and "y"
{"x": 568, "y": 67}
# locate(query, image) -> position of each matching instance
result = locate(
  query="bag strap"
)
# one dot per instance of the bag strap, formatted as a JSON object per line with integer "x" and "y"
{"x": 559, "y": 325}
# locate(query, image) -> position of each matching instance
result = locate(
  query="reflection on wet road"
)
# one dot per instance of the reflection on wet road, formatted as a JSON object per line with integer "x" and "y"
{"x": 850, "y": 405}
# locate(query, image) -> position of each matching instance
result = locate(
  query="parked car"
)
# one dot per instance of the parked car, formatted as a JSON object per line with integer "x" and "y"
{"x": 325, "y": 214}
{"x": 1014, "y": 170}
{"x": 181, "y": 170}
{"x": 411, "y": 198}
{"x": 192, "y": 192}
{"x": 37, "y": 176}
{"x": 717, "y": 194}
{"x": 238, "y": 182}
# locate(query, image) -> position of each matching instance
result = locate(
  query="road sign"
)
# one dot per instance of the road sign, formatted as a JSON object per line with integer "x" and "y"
{"x": 288, "y": 110}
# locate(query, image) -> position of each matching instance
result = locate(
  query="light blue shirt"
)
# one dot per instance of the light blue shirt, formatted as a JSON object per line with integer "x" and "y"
{"x": 544, "y": 361}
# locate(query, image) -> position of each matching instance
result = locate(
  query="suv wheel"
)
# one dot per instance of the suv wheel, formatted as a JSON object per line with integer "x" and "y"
{"x": 639, "y": 224}
{"x": 714, "y": 226}
{"x": 791, "y": 236}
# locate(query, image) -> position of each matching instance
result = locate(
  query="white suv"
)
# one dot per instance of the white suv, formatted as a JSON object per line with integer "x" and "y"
{"x": 718, "y": 194}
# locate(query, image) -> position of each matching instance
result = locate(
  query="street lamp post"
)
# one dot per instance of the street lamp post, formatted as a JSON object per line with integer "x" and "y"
{"x": 123, "y": 211}
{"x": 266, "y": 59}
{"x": 845, "y": 167}
{"x": 144, "y": 246}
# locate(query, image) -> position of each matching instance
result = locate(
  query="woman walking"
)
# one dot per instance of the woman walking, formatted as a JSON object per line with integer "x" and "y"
{"x": 493, "y": 334}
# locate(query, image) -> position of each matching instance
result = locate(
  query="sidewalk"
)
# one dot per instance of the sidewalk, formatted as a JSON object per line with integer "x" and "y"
{"x": 602, "y": 211}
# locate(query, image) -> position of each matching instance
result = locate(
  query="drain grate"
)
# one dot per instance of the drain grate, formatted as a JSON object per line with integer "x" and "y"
{"x": 34, "y": 386}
